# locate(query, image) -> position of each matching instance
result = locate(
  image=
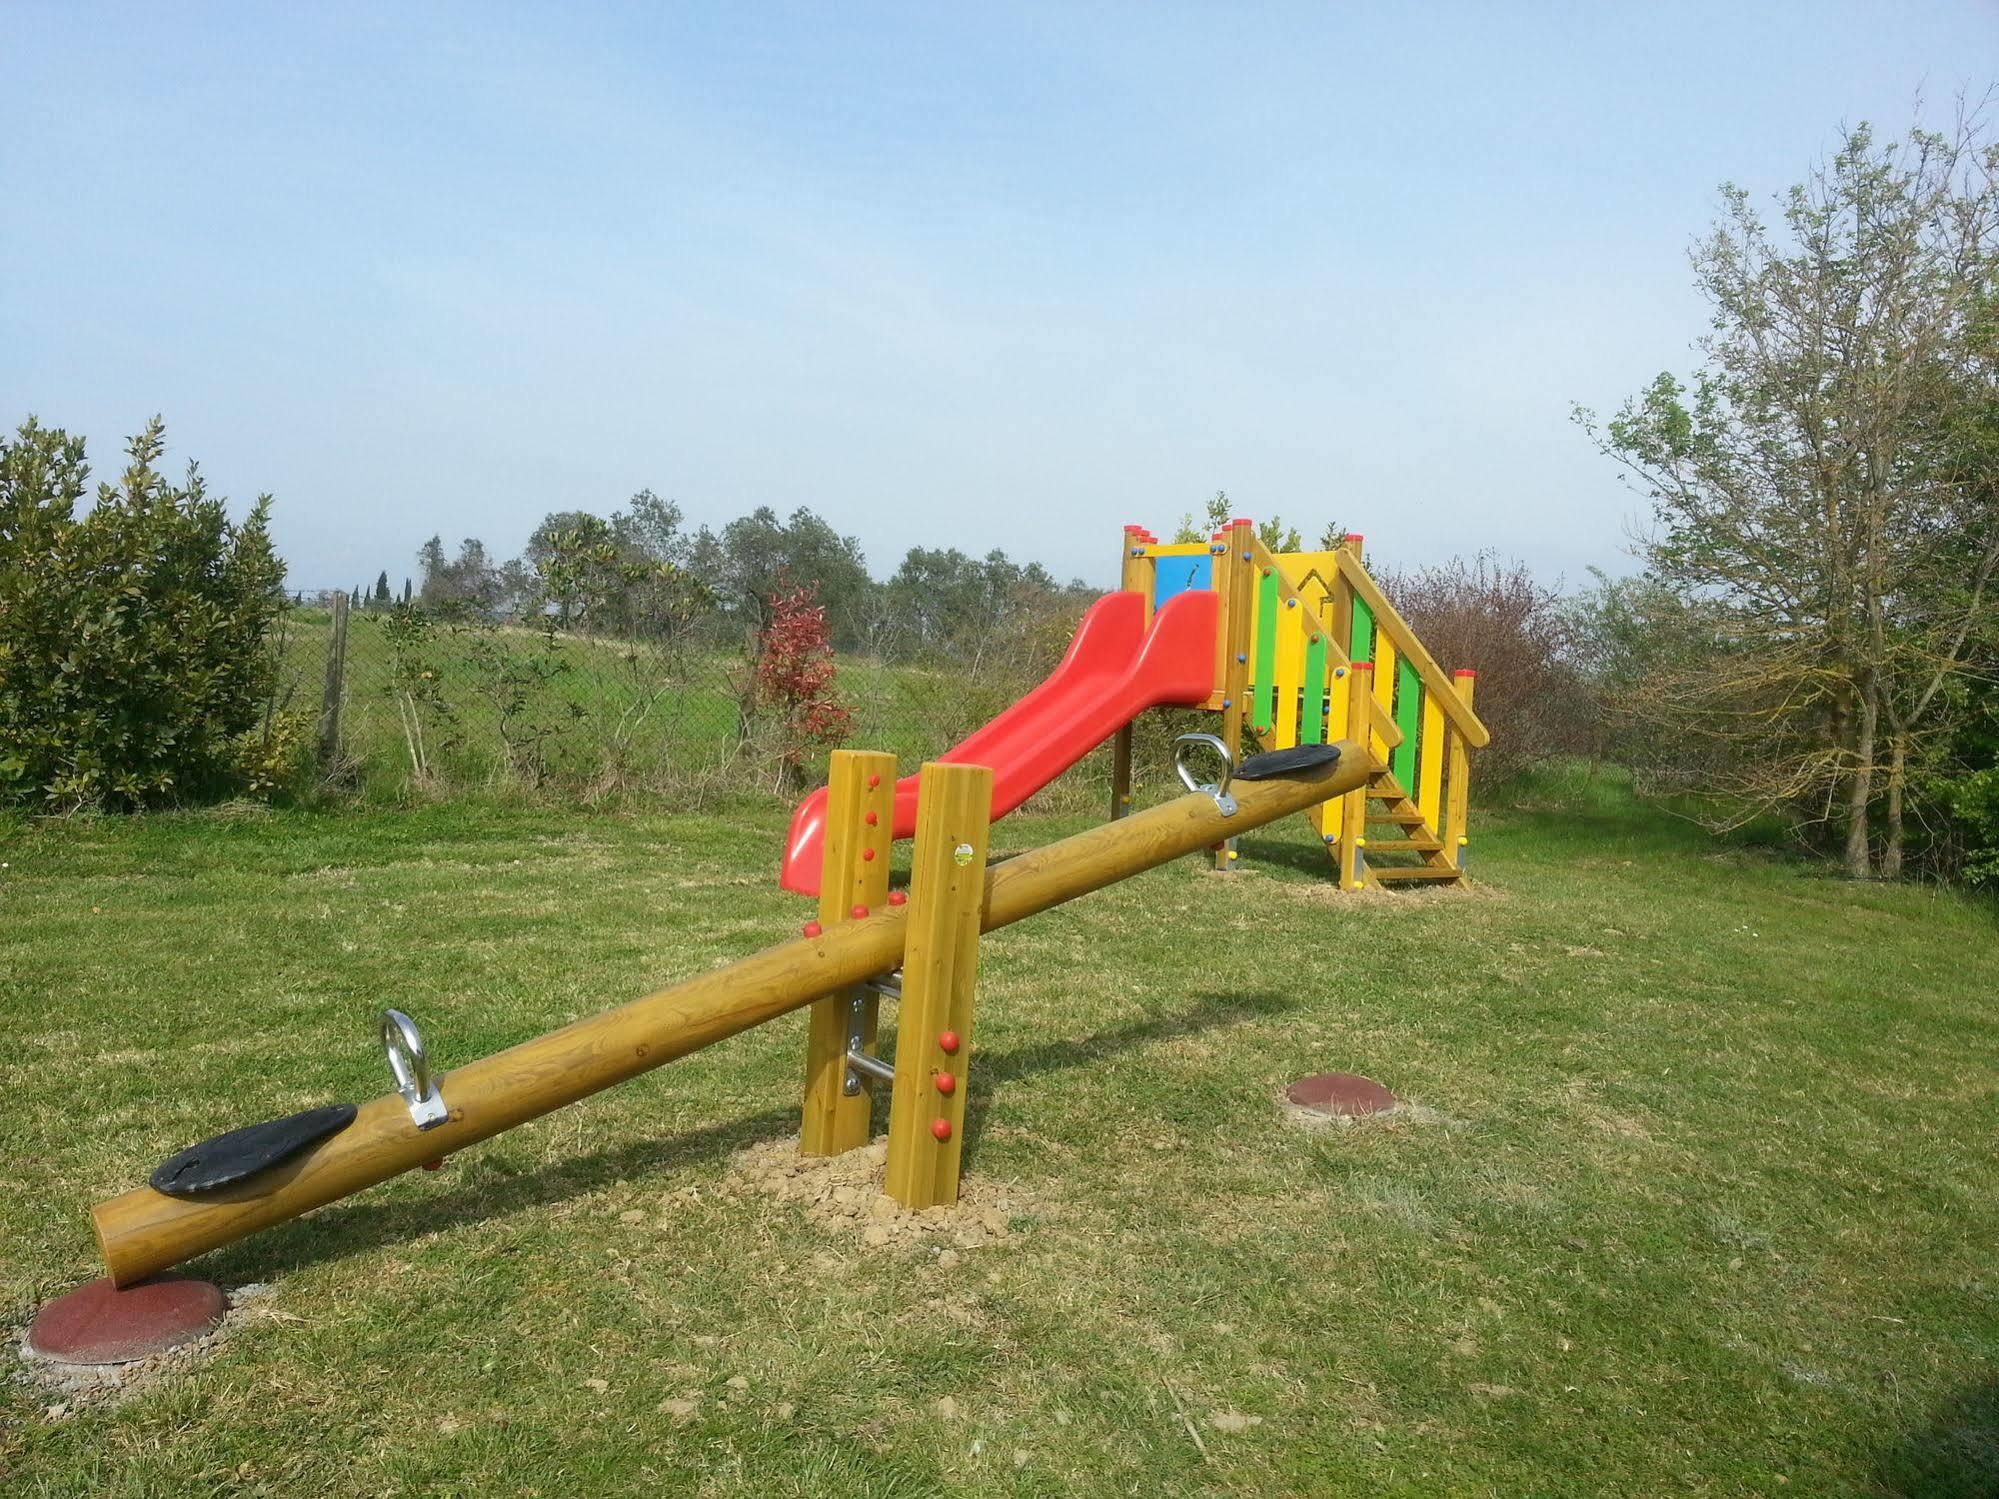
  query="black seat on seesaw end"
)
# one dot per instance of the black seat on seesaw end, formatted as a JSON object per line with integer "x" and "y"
{"x": 243, "y": 1152}
{"x": 1274, "y": 763}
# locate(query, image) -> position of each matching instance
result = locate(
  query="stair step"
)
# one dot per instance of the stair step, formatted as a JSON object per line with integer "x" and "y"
{"x": 1389, "y": 874}
{"x": 1404, "y": 845}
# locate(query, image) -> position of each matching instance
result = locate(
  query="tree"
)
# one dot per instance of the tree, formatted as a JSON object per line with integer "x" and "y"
{"x": 793, "y": 678}
{"x": 1829, "y": 555}
{"x": 1215, "y": 515}
{"x": 742, "y": 563}
{"x": 136, "y": 666}
{"x": 381, "y": 600}
{"x": 628, "y": 576}
{"x": 468, "y": 583}
{"x": 1494, "y": 617}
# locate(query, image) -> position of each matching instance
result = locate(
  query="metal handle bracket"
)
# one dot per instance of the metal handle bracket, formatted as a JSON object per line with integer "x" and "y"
{"x": 1183, "y": 747}
{"x": 411, "y": 1069}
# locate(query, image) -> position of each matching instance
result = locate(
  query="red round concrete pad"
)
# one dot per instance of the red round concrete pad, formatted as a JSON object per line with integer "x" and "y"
{"x": 1346, "y": 1093}
{"x": 100, "y": 1324}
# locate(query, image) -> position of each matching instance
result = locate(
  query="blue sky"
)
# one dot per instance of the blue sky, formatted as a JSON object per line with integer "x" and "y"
{"x": 993, "y": 276}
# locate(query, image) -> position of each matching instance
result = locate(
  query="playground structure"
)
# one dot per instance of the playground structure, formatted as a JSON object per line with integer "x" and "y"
{"x": 1273, "y": 642}
{"x": 921, "y": 946}
{"x": 1287, "y": 649}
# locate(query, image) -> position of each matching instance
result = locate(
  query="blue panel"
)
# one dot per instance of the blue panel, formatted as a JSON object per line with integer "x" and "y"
{"x": 1171, "y": 575}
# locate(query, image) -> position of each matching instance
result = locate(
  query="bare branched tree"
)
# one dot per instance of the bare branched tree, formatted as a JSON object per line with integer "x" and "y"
{"x": 1826, "y": 546}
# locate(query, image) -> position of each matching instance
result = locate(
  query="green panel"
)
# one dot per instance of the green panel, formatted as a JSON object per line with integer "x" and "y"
{"x": 1266, "y": 650}
{"x": 1313, "y": 692}
{"x": 1362, "y": 647}
{"x": 1408, "y": 716}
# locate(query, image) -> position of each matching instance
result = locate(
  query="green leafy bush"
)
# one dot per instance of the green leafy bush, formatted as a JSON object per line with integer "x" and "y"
{"x": 135, "y": 659}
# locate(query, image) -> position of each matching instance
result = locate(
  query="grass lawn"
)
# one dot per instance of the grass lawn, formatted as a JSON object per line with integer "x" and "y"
{"x": 1702, "y": 1195}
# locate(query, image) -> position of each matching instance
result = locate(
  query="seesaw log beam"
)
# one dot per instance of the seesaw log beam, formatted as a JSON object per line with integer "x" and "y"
{"x": 144, "y": 1232}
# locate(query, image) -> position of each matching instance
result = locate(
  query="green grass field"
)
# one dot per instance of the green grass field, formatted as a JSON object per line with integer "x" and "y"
{"x": 1701, "y": 1196}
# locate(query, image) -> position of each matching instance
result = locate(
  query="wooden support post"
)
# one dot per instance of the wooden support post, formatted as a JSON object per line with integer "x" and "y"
{"x": 1135, "y": 574}
{"x": 1235, "y": 576}
{"x": 940, "y": 965}
{"x": 860, "y": 831}
{"x": 1457, "y": 790}
{"x": 1121, "y": 772}
{"x": 329, "y": 705}
{"x": 1353, "y": 808}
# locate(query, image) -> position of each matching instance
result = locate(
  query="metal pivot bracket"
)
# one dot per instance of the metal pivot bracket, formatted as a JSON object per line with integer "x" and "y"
{"x": 859, "y": 1064}
{"x": 411, "y": 1069}
{"x": 1183, "y": 747}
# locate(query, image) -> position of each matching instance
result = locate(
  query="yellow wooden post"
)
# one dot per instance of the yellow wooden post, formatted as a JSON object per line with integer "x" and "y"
{"x": 1353, "y": 807}
{"x": 1235, "y": 576}
{"x": 1457, "y": 806}
{"x": 1384, "y": 689}
{"x": 1134, "y": 576}
{"x": 1430, "y": 765}
{"x": 940, "y": 965}
{"x": 860, "y": 831}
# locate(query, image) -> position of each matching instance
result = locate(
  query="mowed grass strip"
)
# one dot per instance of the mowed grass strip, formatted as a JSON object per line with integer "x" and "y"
{"x": 1700, "y": 1197}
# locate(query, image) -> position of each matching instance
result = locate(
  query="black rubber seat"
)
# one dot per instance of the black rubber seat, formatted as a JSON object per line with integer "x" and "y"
{"x": 1286, "y": 762}
{"x": 243, "y": 1152}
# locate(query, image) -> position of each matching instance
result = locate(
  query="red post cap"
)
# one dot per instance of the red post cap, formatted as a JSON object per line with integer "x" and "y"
{"x": 1363, "y": 666}
{"x": 1242, "y": 520}
{"x": 1464, "y": 671}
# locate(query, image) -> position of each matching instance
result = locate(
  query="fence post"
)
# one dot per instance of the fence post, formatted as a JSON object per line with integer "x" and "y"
{"x": 329, "y": 703}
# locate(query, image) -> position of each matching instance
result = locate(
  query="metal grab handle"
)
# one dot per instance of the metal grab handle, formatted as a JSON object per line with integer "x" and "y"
{"x": 411, "y": 1069}
{"x": 1183, "y": 747}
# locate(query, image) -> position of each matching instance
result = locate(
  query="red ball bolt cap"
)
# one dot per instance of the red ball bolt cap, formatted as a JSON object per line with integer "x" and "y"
{"x": 941, "y": 1128}
{"x": 873, "y": 818}
{"x": 948, "y": 1042}
{"x": 897, "y": 898}
{"x": 860, "y": 912}
{"x": 867, "y": 856}
{"x": 874, "y": 781}
{"x": 812, "y": 929}
{"x": 946, "y": 1084}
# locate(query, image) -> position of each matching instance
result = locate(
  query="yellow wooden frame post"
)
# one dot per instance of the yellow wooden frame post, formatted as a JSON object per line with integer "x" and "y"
{"x": 1134, "y": 576}
{"x": 860, "y": 833}
{"x": 1353, "y": 807}
{"x": 940, "y": 965}
{"x": 1235, "y": 576}
{"x": 1457, "y": 791}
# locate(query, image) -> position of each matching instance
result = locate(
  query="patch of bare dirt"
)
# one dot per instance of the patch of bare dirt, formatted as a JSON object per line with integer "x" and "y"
{"x": 843, "y": 1195}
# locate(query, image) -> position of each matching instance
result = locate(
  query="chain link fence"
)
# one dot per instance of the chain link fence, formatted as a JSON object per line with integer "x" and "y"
{"x": 405, "y": 702}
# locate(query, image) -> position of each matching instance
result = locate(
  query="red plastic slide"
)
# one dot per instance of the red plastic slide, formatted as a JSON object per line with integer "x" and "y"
{"x": 1114, "y": 670}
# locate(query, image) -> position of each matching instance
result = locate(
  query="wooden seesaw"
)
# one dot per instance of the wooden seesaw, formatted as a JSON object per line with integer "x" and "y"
{"x": 931, "y": 938}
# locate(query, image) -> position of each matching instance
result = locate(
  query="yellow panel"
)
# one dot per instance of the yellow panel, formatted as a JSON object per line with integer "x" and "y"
{"x": 1430, "y": 769}
{"x": 1384, "y": 685}
{"x": 1290, "y": 679}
